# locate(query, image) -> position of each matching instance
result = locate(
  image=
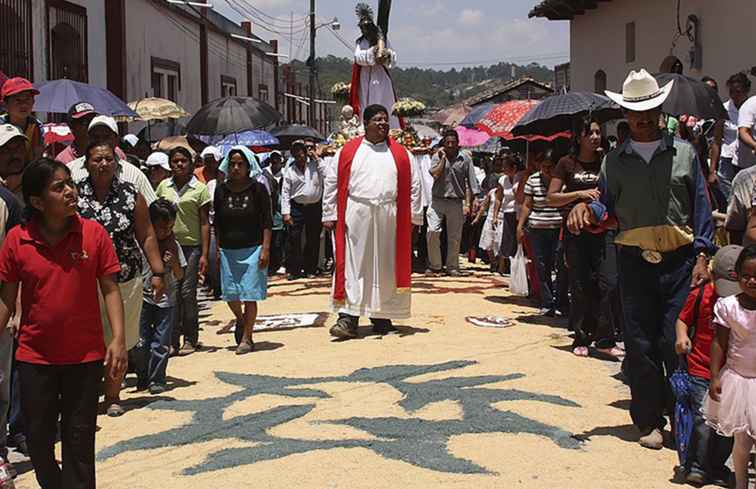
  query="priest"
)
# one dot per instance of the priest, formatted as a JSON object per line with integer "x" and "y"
{"x": 371, "y": 201}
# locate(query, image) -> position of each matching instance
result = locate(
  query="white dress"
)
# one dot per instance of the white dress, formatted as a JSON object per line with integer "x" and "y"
{"x": 370, "y": 261}
{"x": 375, "y": 84}
{"x": 490, "y": 238}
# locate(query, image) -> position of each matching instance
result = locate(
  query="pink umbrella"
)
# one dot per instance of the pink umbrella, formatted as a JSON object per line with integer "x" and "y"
{"x": 502, "y": 118}
{"x": 469, "y": 138}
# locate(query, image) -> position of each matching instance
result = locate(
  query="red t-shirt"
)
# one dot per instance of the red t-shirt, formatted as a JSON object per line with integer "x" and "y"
{"x": 60, "y": 319}
{"x": 699, "y": 359}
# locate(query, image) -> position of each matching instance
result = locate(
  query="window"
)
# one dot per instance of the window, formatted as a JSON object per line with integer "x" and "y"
{"x": 599, "y": 80}
{"x": 630, "y": 42}
{"x": 262, "y": 92}
{"x": 15, "y": 38}
{"x": 67, "y": 37}
{"x": 228, "y": 86}
{"x": 165, "y": 78}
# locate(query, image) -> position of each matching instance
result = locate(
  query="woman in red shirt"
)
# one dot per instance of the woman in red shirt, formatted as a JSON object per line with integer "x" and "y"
{"x": 60, "y": 259}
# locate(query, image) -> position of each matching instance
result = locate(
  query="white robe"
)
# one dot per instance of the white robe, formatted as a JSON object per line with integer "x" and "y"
{"x": 370, "y": 258}
{"x": 375, "y": 84}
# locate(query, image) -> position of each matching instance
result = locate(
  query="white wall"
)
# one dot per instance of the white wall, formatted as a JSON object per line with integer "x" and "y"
{"x": 96, "y": 54}
{"x": 225, "y": 57}
{"x": 597, "y": 39}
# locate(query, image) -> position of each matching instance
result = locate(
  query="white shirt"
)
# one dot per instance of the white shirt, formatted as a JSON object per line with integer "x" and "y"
{"x": 509, "y": 189}
{"x": 645, "y": 150}
{"x": 422, "y": 165}
{"x": 730, "y": 139}
{"x": 126, "y": 173}
{"x": 303, "y": 187}
{"x": 747, "y": 119}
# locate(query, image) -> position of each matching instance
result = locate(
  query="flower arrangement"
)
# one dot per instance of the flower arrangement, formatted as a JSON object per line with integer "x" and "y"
{"x": 408, "y": 108}
{"x": 341, "y": 90}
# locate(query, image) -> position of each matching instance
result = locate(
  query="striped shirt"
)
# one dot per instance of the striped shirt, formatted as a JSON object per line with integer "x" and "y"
{"x": 126, "y": 173}
{"x": 541, "y": 216}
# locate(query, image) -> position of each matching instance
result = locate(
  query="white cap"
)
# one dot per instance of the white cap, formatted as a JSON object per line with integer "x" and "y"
{"x": 131, "y": 139}
{"x": 211, "y": 151}
{"x": 8, "y": 132}
{"x": 104, "y": 120}
{"x": 158, "y": 158}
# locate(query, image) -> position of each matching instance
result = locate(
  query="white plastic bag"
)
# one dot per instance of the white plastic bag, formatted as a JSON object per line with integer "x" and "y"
{"x": 518, "y": 283}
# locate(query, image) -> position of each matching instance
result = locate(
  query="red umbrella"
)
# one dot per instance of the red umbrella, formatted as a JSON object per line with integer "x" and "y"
{"x": 502, "y": 118}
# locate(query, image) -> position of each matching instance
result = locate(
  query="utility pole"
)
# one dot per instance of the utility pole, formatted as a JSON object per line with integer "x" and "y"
{"x": 311, "y": 108}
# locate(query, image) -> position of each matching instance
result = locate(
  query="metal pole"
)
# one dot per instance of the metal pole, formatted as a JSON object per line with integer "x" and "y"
{"x": 310, "y": 109}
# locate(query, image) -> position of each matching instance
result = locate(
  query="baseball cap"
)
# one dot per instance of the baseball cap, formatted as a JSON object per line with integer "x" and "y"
{"x": 14, "y": 86}
{"x": 131, "y": 139}
{"x": 81, "y": 109}
{"x": 8, "y": 132}
{"x": 723, "y": 270}
{"x": 104, "y": 120}
{"x": 158, "y": 158}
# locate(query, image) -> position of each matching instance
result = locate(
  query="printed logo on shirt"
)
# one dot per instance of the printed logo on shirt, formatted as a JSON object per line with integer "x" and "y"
{"x": 79, "y": 256}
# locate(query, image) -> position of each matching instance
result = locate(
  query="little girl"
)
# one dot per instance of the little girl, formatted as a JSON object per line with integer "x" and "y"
{"x": 490, "y": 236}
{"x": 731, "y": 406}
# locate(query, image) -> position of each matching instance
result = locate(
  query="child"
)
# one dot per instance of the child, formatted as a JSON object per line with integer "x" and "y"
{"x": 59, "y": 259}
{"x": 730, "y": 407}
{"x": 490, "y": 237}
{"x": 708, "y": 451}
{"x": 159, "y": 316}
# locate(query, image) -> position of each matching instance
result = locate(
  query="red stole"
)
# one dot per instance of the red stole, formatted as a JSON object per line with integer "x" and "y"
{"x": 354, "y": 92}
{"x": 403, "y": 258}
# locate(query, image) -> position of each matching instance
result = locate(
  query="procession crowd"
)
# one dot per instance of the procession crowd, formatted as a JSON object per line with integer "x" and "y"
{"x": 109, "y": 242}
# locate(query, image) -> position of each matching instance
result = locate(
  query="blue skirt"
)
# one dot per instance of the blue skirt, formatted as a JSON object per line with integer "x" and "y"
{"x": 242, "y": 279}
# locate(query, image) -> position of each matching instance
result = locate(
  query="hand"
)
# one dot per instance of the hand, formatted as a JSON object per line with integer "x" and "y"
{"x": 683, "y": 346}
{"x": 520, "y": 234}
{"x": 701, "y": 273}
{"x": 288, "y": 220}
{"x": 713, "y": 178}
{"x": 466, "y": 210}
{"x": 158, "y": 287}
{"x": 715, "y": 388}
{"x": 329, "y": 225}
{"x": 169, "y": 258}
{"x": 116, "y": 359}
{"x": 202, "y": 266}
{"x": 494, "y": 223}
{"x": 592, "y": 194}
{"x": 580, "y": 217}
{"x": 264, "y": 259}
{"x": 441, "y": 154}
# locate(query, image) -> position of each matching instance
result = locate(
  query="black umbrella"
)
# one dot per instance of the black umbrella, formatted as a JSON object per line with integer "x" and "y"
{"x": 691, "y": 97}
{"x": 556, "y": 113}
{"x": 288, "y": 134}
{"x": 155, "y": 131}
{"x": 231, "y": 115}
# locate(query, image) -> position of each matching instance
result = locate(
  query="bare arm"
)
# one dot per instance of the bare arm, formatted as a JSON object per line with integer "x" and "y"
{"x": 8, "y": 295}
{"x": 205, "y": 236}
{"x": 682, "y": 343}
{"x": 718, "y": 351}
{"x": 750, "y": 232}
{"x": 520, "y": 192}
{"x": 115, "y": 357}
{"x": 746, "y": 138}
{"x": 145, "y": 235}
{"x": 715, "y": 150}
{"x": 527, "y": 208}
{"x": 555, "y": 197}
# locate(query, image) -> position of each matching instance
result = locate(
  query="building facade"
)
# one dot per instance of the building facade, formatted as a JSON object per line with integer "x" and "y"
{"x": 609, "y": 38}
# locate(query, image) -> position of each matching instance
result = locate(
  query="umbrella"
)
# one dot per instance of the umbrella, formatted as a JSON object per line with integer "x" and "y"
{"x": 192, "y": 143}
{"x": 470, "y": 138}
{"x": 556, "y": 113}
{"x": 57, "y": 133}
{"x": 453, "y": 115}
{"x": 247, "y": 138}
{"x": 476, "y": 114}
{"x": 691, "y": 97}
{"x": 502, "y": 119}
{"x": 229, "y": 115}
{"x": 680, "y": 382}
{"x": 288, "y": 134}
{"x": 424, "y": 131}
{"x": 160, "y": 130}
{"x": 152, "y": 108}
{"x": 57, "y": 96}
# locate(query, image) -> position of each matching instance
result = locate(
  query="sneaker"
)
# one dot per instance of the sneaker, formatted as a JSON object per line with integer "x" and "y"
{"x": 652, "y": 439}
{"x": 342, "y": 331}
{"x": 19, "y": 442}
{"x": 695, "y": 477}
{"x": 432, "y": 273}
{"x": 545, "y": 311}
{"x": 246, "y": 346}
{"x": 187, "y": 349}
{"x": 455, "y": 273}
{"x": 114, "y": 410}
{"x": 7, "y": 473}
{"x": 157, "y": 389}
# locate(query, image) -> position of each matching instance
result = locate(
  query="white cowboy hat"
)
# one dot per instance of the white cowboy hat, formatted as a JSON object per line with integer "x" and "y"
{"x": 641, "y": 92}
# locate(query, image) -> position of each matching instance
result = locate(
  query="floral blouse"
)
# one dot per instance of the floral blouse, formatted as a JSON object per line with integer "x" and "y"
{"x": 116, "y": 215}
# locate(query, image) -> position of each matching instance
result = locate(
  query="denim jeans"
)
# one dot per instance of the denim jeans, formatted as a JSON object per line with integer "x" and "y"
{"x": 187, "y": 322}
{"x": 307, "y": 224}
{"x": 155, "y": 328}
{"x": 652, "y": 298}
{"x": 545, "y": 243}
{"x": 708, "y": 451}
{"x": 16, "y": 423}
{"x": 726, "y": 174}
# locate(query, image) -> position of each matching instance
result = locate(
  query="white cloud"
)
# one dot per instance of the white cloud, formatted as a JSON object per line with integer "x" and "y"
{"x": 470, "y": 17}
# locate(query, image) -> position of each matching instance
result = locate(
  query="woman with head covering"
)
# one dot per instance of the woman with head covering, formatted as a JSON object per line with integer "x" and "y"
{"x": 243, "y": 224}
{"x": 211, "y": 158}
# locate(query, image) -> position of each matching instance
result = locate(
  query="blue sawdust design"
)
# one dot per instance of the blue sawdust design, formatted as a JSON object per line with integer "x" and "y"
{"x": 415, "y": 441}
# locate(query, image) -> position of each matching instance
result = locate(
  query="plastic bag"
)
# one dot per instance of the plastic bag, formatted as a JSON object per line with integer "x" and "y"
{"x": 518, "y": 283}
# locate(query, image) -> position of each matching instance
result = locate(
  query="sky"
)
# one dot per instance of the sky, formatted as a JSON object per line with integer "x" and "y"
{"x": 438, "y": 34}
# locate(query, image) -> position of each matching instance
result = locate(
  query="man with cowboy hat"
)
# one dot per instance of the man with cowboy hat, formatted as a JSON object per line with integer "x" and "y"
{"x": 653, "y": 185}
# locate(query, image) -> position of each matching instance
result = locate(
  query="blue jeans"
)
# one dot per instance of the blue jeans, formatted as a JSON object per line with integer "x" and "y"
{"x": 726, "y": 174}
{"x": 187, "y": 322}
{"x": 155, "y": 327}
{"x": 545, "y": 243}
{"x": 652, "y": 298}
{"x": 708, "y": 451}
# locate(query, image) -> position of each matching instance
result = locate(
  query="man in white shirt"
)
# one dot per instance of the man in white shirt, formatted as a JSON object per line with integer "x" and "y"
{"x": 301, "y": 195}
{"x": 747, "y": 134}
{"x": 739, "y": 86}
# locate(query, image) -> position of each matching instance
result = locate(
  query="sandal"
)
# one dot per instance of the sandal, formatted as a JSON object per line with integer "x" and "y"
{"x": 580, "y": 351}
{"x": 614, "y": 352}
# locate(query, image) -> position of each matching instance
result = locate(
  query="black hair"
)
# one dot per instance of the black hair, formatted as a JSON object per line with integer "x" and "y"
{"x": 182, "y": 150}
{"x": 549, "y": 155}
{"x": 708, "y": 79}
{"x": 36, "y": 178}
{"x": 240, "y": 153}
{"x": 97, "y": 144}
{"x": 450, "y": 133}
{"x": 580, "y": 127}
{"x": 162, "y": 210}
{"x": 748, "y": 253}
{"x": 740, "y": 78}
{"x": 372, "y": 110}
